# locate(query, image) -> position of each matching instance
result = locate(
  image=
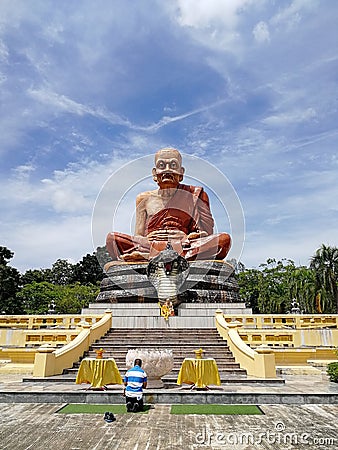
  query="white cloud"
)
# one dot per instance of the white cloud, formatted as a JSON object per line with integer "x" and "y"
{"x": 291, "y": 117}
{"x": 295, "y": 244}
{"x": 38, "y": 244}
{"x": 261, "y": 32}
{"x": 201, "y": 14}
{"x": 213, "y": 23}
{"x": 64, "y": 104}
{"x": 70, "y": 191}
{"x": 292, "y": 14}
{"x": 61, "y": 103}
{"x": 3, "y": 52}
{"x": 54, "y": 32}
{"x": 41, "y": 237}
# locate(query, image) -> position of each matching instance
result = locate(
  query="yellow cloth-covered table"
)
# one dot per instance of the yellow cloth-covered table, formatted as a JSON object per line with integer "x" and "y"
{"x": 98, "y": 372}
{"x": 199, "y": 372}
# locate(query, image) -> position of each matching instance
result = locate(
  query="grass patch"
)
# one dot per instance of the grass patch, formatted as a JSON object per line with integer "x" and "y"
{"x": 216, "y": 409}
{"x": 84, "y": 408}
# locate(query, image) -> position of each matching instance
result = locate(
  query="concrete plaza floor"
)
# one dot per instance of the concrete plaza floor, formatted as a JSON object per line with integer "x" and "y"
{"x": 40, "y": 427}
{"x": 36, "y": 426}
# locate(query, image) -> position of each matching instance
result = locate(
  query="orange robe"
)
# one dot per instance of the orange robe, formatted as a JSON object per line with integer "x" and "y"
{"x": 188, "y": 211}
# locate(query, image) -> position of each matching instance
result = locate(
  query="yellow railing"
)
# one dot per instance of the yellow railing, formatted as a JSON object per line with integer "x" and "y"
{"x": 288, "y": 330}
{"x": 271, "y": 338}
{"x": 284, "y": 321}
{"x": 258, "y": 363}
{"x": 294, "y": 339}
{"x": 46, "y": 321}
{"x": 33, "y": 331}
{"x": 49, "y": 361}
{"x": 23, "y": 344}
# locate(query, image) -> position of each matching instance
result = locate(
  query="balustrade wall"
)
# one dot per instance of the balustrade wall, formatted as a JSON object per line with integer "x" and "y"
{"x": 287, "y": 331}
{"x": 285, "y": 321}
{"x": 32, "y": 322}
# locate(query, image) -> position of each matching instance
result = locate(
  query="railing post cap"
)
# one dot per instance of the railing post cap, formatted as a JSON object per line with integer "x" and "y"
{"x": 263, "y": 349}
{"x": 84, "y": 324}
{"x": 46, "y": 348}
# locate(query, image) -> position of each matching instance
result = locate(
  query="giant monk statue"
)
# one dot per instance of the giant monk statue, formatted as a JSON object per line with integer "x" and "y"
{"x": 174, "y": 213}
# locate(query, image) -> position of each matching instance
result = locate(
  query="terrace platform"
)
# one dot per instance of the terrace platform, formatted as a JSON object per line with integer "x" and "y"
{"x": 302, "y": 413}
{"x": 291, "y": 390}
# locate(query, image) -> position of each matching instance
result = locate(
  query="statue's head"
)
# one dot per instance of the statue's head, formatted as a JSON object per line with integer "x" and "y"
{"x": 168, "y": 171}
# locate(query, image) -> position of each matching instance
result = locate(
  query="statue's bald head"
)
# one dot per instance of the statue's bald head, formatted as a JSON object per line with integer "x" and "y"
{"x": 168, "y": 152}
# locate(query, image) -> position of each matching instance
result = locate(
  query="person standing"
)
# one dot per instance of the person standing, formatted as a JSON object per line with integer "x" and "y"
{"x": 135, "y": 380}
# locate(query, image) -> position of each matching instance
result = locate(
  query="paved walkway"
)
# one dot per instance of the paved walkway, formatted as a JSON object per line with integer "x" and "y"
{"x": 36, "y": 426}
{"x": 40, "y": 427}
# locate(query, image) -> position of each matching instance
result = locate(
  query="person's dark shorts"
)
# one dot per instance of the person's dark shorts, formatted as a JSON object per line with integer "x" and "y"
{"x": 134, "y": 405}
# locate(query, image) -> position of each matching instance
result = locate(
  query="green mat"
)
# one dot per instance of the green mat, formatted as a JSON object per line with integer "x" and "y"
{"x": 83, "y": 408}
{"x": 216, "y": 409}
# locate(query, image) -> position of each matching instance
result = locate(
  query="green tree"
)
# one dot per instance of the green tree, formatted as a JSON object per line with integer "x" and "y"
{"x": 274, "y": 293}
{"x": 37, "y": 275}
{"x": 88, "y": 270}
{"x": 40, "y": 298}
{"x": 62, "y": 272}
{"x": 303, "y": 289}
{"x": 75, "y": 297}
{"x": 37, "y": 298}
{"x": 325, "y": 265}
{"x": 248, "y": 281}
{"x": 9, "y": 284}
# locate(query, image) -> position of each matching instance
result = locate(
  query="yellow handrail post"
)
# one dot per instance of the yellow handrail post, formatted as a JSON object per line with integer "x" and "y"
{"x": 265, "y": 363}
{"x": 44, "y": 362}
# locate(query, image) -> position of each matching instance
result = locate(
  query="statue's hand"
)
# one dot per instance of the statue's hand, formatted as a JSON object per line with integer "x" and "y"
{"x": 167, "y": 235}
{"x": 197, "y": 234}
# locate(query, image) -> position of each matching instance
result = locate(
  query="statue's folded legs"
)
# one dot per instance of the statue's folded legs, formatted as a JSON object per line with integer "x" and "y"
{"x": 215, "y": 246}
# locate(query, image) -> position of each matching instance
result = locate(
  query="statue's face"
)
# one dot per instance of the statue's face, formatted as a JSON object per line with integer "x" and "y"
{"x": 168, "y": 170}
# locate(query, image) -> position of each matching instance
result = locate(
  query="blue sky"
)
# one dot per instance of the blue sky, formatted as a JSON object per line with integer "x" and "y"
{"x": 248, "y": 86}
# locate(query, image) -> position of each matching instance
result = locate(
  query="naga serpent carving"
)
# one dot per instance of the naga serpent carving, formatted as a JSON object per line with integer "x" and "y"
{"x": 167, "y": 272}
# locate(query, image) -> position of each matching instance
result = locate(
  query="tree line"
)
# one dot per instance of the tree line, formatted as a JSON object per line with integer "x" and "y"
{"x": 274, "y": 288}
{"x": 65, "y": 288}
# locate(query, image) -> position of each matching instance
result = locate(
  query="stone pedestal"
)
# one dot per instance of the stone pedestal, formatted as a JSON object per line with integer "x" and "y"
{"x": 207, "y": 282}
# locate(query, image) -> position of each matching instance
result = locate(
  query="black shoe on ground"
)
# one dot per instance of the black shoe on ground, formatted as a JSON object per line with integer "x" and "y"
{"x": 136, "y": 407}
{"x": 109, "y": 417}
{"x": 129, "y": 407}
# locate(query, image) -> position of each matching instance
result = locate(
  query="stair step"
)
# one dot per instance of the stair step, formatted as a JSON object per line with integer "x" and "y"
{"x": 182, "y": 342}
{"x": 151, "y": 344}
{"x": 176, "y": 356}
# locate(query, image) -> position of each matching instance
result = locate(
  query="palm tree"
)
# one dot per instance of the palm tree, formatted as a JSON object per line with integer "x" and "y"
{"x": 303, "y": 288}
{"x": 325, "y": 265}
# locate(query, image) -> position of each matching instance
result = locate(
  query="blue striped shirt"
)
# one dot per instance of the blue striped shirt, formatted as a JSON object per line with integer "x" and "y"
{"x": 135, "y": 377}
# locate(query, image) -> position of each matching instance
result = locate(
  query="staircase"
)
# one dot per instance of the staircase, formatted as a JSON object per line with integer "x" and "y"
{"x": 182, "y": 342}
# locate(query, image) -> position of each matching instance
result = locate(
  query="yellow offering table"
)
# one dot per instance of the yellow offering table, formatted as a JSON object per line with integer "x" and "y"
{"x": 98, "y": 373}
{"x": 199, "y": 372}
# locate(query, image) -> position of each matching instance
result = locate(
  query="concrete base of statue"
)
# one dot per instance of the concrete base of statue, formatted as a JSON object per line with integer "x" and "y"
{"x": 148, "y": 315}
{"x": 207, "y": 282}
